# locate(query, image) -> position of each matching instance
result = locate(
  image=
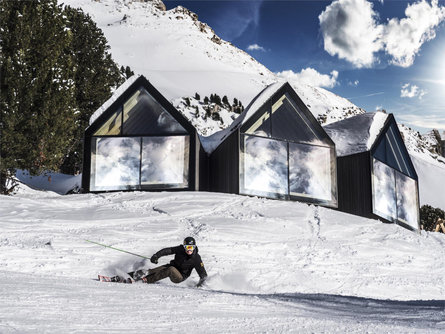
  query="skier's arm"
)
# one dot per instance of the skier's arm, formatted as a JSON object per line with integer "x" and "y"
{"x": 201, "y": 272}
{"x": 162, "y": 252}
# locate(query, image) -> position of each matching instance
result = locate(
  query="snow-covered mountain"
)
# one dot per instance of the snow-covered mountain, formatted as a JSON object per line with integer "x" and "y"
{"x": 182, "y": 56}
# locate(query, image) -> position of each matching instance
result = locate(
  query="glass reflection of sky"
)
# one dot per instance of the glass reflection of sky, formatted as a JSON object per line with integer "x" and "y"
{"x": 117, "y": 163}
{"x": 384, "y": 190}
{"x": 406, "y": 200}
{"x": 310, "y": 171}
{"x": 265, "y": 166}
{"x": 165, "y": 160}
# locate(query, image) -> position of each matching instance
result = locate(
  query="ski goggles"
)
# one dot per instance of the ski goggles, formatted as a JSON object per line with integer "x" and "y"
{"x": 189, "y": 247}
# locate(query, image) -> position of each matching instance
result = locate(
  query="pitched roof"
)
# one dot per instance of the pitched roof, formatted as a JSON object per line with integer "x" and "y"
{"x": 210, "y": 143}
{"x": 356, "y": 134}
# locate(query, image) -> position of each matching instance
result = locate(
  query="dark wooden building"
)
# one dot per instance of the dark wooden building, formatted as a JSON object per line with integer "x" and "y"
{"x": 138, "y": 141}
{"x": 376, "y": 177}
{"x": 276, "y": 149}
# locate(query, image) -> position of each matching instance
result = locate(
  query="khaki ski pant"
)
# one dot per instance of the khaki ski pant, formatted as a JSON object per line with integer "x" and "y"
{"x": 158, "y": 273}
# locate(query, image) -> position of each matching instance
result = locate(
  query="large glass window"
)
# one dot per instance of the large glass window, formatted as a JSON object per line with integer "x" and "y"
{"x": 290, "y": 123}
{"x": 143, "y": 114}
{"x": 310, "y": 171}
{"x": 284, "y": 120}
{"x": 115, "y": 163}
{"x": 407, "y": 205}
{"x": 165, "y": 161}
{"x": 285, "y": 155}
{"x": 112, "y": 126}
{"x": 395, "y": 195}
{"x": 391, "y": 153}
{"x": 264, "y": 167}
{"x": 140, "y": 114}
{"x": 279, "y": 169}
{"x": 119, "y": 163}
{"x": 384, "y": 185}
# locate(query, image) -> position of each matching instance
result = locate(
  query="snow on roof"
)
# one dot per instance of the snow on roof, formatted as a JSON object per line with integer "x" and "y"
{"x": 118, "y": 92}
{"x": 356, "y": 134}
{"x": 210, "y": 143}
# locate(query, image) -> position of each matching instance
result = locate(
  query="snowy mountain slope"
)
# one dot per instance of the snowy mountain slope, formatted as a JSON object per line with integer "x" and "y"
{"x": 181, "y": 56}
{"x": 273, "y": 266}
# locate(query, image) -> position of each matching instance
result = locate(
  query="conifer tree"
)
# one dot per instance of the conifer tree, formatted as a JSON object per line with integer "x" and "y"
{"x": 55, "y": 72}
{"x": 217, "y": 99}
{"x": 206, "y": 100}
{"x": 36, "y": 95}
{"x": 225, "y": 101}
{"x": 94, "y": 77}
{"x": 197, "y": 97}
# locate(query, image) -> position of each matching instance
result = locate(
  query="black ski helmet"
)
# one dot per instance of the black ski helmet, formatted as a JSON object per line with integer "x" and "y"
{"x": 189, "y": 241}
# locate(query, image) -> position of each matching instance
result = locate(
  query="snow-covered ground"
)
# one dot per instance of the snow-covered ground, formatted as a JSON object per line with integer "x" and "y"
{"x": 273, "y": 266}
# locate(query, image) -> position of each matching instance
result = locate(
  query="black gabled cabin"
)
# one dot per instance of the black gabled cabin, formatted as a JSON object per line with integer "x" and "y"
{"x": 276, "y": 149}
{"x": 138, "y": 141}
{"x": 376, "y": 177}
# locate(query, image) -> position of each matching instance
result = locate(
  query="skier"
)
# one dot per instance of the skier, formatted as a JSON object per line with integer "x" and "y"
{"x": 178, "y": 270}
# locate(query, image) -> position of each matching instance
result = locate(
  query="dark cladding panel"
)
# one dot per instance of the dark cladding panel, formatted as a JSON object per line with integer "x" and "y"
{"x": 224, "y": 166}
{"x": 354, "y": 184}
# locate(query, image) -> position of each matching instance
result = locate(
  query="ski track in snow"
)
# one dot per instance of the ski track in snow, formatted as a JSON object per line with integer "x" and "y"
{"x": 273, "y": 266}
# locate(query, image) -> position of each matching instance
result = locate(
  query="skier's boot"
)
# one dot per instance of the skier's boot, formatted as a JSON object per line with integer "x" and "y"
{"x": 119, "y": 279}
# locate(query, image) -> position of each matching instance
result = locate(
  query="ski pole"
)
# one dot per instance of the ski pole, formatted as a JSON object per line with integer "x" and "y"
{"x": 120, "y": 250}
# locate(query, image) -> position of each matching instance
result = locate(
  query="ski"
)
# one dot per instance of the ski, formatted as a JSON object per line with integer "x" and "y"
{"x": 115, "y": 279}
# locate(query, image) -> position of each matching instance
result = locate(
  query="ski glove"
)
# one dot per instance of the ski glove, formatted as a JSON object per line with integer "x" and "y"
{"x": 154, "y": 259}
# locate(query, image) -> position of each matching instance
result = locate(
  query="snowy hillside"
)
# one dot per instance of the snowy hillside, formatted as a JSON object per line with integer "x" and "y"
{"x": 430, "y": 167}
{"x": 273, "y": 266}
{"x": 182, "y": 56}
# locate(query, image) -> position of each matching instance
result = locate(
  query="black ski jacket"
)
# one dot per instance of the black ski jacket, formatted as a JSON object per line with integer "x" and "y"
{"x": 184, "y": 262}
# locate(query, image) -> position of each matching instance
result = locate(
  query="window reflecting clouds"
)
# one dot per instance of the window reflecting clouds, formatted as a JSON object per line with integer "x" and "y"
{"x": 165, "y": 161}
{"x": 384, "y": 190}
{"x": 310, "y": 171}
{"x": 406, "y": 200}
{"x": 278, "y": 169}
{"x": 395, "y": 195}
{"x": 115, "y": 164}
{"x": 264, "y": 167}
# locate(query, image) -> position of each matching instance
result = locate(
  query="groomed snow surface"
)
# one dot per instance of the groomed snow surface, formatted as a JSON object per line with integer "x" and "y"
{"x": 273, "y": 266}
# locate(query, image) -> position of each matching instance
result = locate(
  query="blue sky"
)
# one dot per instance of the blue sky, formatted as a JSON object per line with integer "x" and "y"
{"x": 378, "y": 54}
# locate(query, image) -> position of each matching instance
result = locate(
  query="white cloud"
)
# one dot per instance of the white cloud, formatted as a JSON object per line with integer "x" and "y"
{"x": 351, "y": 31}
{"x": 423, "y": 121}
{"x": 353, "y": 83}
{"x": 311, "y": 77}
{"x": 411, "y": 91}
{"x": 404, "y": 38}
{"x": 378, "y": 108}
{"x": 255, "y": 47}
